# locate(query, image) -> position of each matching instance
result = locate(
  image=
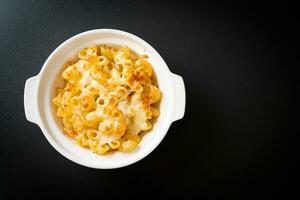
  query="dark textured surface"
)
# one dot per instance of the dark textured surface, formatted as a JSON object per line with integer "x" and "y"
{"x": 233, "y": 138}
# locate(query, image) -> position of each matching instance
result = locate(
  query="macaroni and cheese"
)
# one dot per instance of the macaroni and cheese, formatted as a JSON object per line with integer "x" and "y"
{"x": 110, "y": 96}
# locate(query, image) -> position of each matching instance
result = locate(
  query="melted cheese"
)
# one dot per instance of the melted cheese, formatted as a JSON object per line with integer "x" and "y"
{"x": 100, "y": 107}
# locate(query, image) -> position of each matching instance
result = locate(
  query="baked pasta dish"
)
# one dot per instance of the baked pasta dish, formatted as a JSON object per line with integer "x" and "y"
{"x": 109, "y": 98}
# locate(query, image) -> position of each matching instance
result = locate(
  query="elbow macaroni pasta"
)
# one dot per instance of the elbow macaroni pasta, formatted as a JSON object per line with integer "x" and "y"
{"x": 108, "y": 99}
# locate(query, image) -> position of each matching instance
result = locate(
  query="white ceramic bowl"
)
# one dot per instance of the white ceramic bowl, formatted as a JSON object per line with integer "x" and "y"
{"x": 40, "y": 89}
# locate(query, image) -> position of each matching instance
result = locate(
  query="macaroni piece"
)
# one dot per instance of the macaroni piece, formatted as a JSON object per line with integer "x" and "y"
{"x": 108, "y": 98}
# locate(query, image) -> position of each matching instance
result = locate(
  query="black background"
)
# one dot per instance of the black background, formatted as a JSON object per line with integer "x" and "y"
{"x": 233, "y": 138}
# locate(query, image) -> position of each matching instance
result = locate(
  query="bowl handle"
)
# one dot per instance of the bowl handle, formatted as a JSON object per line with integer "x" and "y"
{"x": 179, "y": 91}
{"x": 30, "y": 100}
